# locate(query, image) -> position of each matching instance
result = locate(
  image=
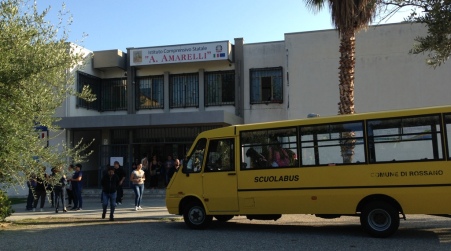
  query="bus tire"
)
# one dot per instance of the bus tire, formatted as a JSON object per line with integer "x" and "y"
{"x": 223, "y": 218}
{"x": 195, "y": 216}
{"x": 379, "y": 219}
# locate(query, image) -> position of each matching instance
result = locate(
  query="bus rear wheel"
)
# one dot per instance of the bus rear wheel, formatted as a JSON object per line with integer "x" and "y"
{"x": 379, "y": 219}
{"x": 195, "y": 216}
{"x": 223, "y": 218}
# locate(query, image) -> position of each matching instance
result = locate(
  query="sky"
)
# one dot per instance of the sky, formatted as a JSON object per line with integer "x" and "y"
{"x": 115, "y": 24}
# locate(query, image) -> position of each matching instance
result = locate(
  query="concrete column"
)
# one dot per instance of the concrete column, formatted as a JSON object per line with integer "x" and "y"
{"x": 69, "y": 138}
{"x": 166, "y": 92}
{"x": 131, "y": 72}
{"x": 201, "y": 90}
{"x": 238, "y": 57}
{"x": 130, "y": 159}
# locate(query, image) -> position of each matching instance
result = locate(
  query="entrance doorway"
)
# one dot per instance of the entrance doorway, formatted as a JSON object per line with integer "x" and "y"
{"x": 162, "y": 151}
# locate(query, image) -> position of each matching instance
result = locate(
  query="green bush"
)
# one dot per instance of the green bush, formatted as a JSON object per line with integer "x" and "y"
{"x": 5, "y": 206}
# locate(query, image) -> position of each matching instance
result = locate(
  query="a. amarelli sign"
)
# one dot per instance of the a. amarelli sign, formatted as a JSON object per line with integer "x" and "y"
{"x": 181, "y": 53}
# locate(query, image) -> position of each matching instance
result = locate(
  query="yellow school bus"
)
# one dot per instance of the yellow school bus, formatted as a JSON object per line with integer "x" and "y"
{"x": 378, "y": 166}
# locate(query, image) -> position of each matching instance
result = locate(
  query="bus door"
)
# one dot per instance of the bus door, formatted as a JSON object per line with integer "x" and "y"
{"x": 220, "y": 177}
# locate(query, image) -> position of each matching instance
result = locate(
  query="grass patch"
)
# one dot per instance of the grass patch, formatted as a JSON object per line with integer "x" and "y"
{"x": 17, "y": 200}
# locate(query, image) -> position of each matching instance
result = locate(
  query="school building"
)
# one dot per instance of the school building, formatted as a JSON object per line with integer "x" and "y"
{"x": 155, "y": 100}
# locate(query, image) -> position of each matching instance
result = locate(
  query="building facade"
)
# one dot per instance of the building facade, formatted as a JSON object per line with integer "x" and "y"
{"x": 155, "y": 100}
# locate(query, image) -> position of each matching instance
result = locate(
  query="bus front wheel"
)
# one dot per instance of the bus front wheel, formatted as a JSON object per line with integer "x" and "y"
{"x": 379, "y": 219}
{"x": 195, "y": 216}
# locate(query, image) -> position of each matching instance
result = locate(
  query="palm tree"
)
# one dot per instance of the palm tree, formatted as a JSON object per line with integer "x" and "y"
{"x": 348, "y": 17}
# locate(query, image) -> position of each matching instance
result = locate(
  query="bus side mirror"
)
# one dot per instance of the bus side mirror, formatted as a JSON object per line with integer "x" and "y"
{"x": 185, "y": 171}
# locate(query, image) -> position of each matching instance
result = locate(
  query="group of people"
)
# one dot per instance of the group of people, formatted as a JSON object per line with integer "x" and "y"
{"x": 155, "y": 169}
{"x": 112, "y": 191}
{"x": 57, "y": 185}
{"x": 274, "y": 156}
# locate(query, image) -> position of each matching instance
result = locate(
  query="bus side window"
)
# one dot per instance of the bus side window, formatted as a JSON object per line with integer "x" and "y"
{"x": 269, "y": 148}
{"x": 405, "y": 139}
{"x": 220, "y": 155}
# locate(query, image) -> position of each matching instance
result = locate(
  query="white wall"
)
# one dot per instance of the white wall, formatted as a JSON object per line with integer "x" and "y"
{"x": 313, "y": 73}
{"x": 264, "y": 55}
{"x": 386, "y": 76}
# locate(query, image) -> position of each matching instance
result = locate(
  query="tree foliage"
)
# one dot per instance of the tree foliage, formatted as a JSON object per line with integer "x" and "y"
{"x": 347, "y": 14}
{"x": 35, "y": 80}
{"x": 436, "y": 15}
{"x": 5, "y": 206}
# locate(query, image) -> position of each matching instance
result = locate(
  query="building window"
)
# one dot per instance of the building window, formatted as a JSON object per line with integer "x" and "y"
{"x": 111, "y": 94}
{"x": 94, "y": 84}
{"x": 220, "y": 88}
{"x": 266, "y": 85}
{"x": 184, "y": 90}
{"x": 114, "y": 94}
{"x": 150, "y": 92}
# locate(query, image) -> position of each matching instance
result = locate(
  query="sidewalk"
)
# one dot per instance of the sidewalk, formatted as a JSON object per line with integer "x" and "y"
{"x": 160, "y": 193}
{"x": 153, "y": 205}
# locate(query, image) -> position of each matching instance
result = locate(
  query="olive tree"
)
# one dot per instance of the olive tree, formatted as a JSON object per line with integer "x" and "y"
{"x": 35, "y": 79}
{"x": 436, "y": 16}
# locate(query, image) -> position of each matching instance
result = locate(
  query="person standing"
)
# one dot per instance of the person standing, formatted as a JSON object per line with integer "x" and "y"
{"x": 59, "y": 189}
{"x": 31, "y": 184}
{"x": 154, "y": 168}
{"x": 119, "y": 171}
{"x": 70, "y": 195}
{"x": 76, "y": 183}
{"x": 50, "y": 188}
{"x": 137, "y": 178}
{"x": 40, "y": 190}
{"x": 176, "y": 164}
{"x": 169, "y": 169}
{"x": 110, "y": 183}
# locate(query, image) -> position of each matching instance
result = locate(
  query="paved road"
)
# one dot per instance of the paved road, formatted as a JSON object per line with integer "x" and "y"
{"x": 154, "y": 229}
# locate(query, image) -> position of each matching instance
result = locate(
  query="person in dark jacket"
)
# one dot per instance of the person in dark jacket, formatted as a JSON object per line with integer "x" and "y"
{"x": 119, "y": 171}
{"x": 31, "y": 183}
{"x": 110, "y": 184}
{"x": 59, "y": 189}
{"x": 40, "y": 190}
{"x": 77, "y": 186}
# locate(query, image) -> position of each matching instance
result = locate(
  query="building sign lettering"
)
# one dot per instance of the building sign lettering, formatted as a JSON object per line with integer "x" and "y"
{"x": 181, "y": 53}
